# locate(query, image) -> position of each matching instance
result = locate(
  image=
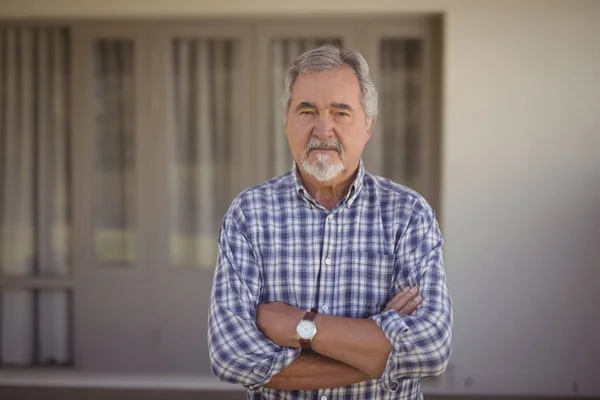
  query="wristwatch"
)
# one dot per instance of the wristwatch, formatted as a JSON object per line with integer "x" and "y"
{"x": 307, "y": 329}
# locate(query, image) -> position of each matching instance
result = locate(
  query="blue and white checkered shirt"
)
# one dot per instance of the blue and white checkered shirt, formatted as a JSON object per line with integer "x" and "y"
{"x": 278, "y": 244}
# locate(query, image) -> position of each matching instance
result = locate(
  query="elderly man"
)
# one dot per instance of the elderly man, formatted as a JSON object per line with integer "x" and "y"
{"x": 329, "y": 281}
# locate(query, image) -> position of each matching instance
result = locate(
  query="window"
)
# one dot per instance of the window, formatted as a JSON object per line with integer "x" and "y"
{"x": 202, "y": 142}
{"x": 123, "y": 145}
{"x": 36, "y": 278}
{"x": 113, "y": 152}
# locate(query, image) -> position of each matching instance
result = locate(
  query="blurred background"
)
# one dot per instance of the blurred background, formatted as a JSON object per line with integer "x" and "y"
{"x": 127, "y": 127}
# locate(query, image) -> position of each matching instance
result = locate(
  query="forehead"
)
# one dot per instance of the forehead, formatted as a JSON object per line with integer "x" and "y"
{"x": 338, "y": 85}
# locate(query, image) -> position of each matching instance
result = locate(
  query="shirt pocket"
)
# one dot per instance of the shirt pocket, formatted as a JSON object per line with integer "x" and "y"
{"x": 365, "y": 283}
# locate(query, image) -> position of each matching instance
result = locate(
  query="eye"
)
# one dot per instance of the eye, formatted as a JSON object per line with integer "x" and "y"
{"x": 342, "y": 114}
{"x": 306, "y": 112}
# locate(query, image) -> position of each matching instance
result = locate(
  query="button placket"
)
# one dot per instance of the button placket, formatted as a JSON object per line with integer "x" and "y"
{"x": 327, "y": 284}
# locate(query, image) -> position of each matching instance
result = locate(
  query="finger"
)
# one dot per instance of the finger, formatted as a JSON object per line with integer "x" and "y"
{"x": 404, "y": 299}
{"x": 411, "y": 306}
{"x": 396, "y": 298}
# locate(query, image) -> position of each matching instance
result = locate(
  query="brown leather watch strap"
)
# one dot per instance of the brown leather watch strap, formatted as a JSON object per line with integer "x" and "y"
{"x": 309, "y": 316}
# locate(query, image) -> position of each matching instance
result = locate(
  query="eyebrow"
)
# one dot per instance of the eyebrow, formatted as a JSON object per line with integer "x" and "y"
{"x": 341, "y": 106}
{"x": 305, "y": 104}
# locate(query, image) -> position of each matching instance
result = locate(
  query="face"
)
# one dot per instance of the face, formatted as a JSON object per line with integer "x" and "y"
{"x": 326, "y": 126}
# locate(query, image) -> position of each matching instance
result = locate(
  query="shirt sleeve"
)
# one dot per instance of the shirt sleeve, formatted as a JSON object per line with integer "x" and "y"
{"x": 421, "y": 342}
{"x": 239, "y": 352}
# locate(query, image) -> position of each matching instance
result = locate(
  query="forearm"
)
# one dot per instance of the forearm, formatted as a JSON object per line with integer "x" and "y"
{"x": 359, "y": 343}
{"x": 311, "y": 371}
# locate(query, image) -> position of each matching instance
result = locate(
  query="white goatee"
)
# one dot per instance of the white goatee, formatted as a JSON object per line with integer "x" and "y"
{"x": 322, "y": 169}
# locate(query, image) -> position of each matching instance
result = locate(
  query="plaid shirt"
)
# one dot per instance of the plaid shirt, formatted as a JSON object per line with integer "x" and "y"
{"x": 278, "y": 244}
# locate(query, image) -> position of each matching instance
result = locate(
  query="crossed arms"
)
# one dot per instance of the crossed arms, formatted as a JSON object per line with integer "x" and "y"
{"x": 255, "y": 344}
{"x": 346, "y": 350}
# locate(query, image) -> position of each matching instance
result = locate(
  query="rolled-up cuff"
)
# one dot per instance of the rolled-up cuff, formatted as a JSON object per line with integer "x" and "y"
{"x": 395, "y": 330}
{"x": 266, "y": 369}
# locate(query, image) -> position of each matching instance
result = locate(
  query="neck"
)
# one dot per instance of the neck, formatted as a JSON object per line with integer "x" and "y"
{"x": 328, "y": 193}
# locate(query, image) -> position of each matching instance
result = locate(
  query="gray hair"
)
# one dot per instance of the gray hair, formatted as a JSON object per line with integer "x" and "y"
{"x": 326, "y": 57}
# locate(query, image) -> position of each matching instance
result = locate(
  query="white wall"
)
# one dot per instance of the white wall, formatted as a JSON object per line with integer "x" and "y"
{"x": 522, "y": 195}
{"x": 521, "y": 198}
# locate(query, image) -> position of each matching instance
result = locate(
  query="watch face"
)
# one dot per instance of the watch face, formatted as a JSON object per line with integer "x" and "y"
{"x": 306, "y": 330}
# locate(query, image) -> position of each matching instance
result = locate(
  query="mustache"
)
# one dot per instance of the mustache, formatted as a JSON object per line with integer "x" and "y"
{"x": 317, "y": 143}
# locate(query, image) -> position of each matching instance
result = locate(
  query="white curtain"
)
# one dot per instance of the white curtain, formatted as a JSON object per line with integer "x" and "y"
{"x": 400, "y": 107}
{"x": 283, "y": 52}
{"x": 34, "y": 192}
{"x": 202, "y": 179}
{"x": 114, "y": 163}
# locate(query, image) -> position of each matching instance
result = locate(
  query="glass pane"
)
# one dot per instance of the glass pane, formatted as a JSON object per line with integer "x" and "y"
{"x": 201, "y": 166}
{"x": 35, "y": 327}
{"x": 17, "y": 339}
{"x": 114, "y": 185}
{"x": 34, "y": 152}
{"x": 400, "y": 113}
{"x": 54, "y": 328}
{"x": 17, "y": 145}
{"x": 58, "y": 170}
{"x": 283, "y": 52}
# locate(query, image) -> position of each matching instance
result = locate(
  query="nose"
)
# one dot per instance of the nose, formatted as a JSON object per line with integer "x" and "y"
{"x": 324, "y": 126}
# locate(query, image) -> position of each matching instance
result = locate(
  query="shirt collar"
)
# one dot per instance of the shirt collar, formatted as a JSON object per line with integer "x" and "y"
{"x": 350, "y": 197}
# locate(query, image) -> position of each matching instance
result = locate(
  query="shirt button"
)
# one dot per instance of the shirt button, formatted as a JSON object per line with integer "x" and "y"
{"x": 325, "y": 307}
{"x": 328, "y": 261}
{"x": 330, "y": 217}
{"x": 323, "y": 397}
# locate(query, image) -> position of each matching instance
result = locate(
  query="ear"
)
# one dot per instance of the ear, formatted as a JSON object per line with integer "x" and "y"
{"x": 370, "y": 127}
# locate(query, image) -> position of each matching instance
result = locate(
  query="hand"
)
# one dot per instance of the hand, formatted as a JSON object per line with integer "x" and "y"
{"x": 405, "y": 302}
{"x": 278, "y": 322}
